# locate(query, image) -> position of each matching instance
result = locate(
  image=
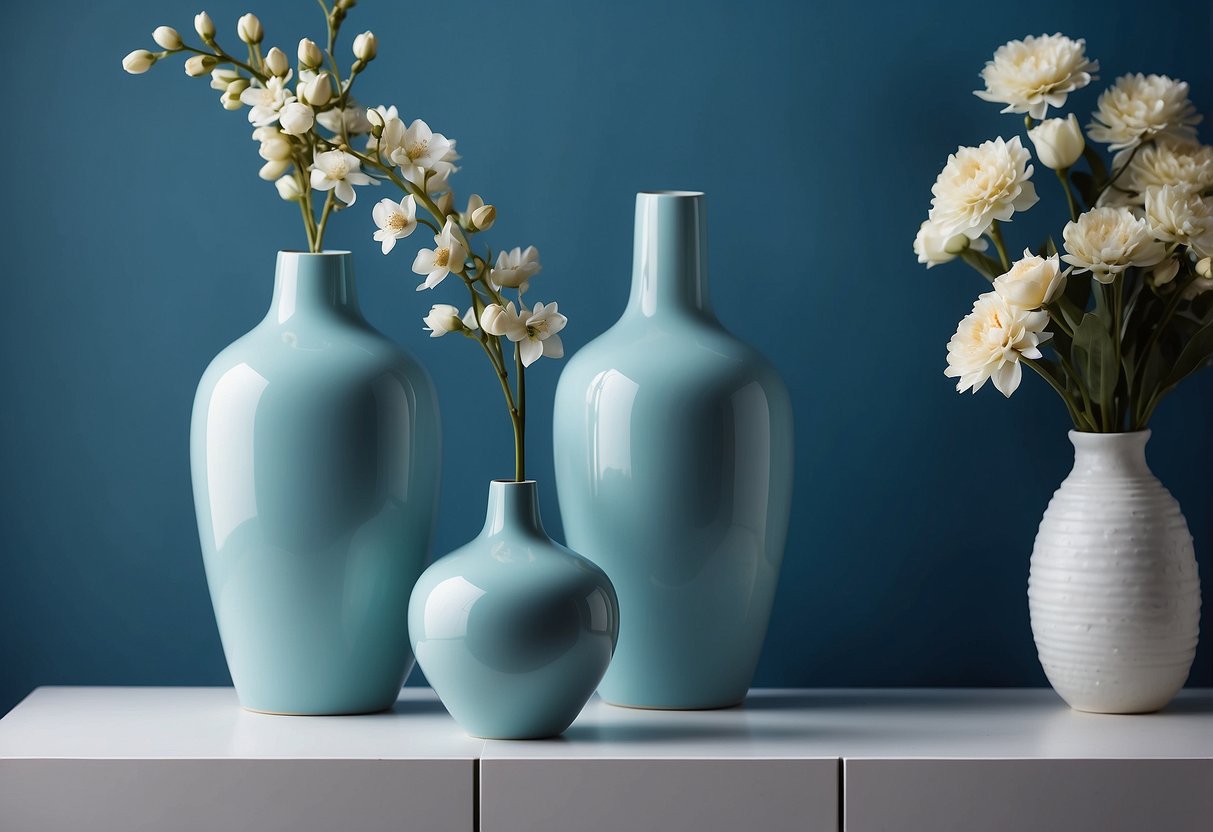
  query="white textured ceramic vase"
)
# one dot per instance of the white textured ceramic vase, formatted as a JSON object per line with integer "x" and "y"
{"x": 1114, "y": 594}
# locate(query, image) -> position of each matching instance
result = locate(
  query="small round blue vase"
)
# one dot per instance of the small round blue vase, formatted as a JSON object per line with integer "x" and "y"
{"x": 513, "y": 630}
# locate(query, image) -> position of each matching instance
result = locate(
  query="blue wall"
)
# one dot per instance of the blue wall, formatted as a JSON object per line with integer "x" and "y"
{"x": 139, "y": 242}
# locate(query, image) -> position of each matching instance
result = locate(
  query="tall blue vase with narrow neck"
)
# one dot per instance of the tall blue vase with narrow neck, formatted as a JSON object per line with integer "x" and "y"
{"x": 673, "y": 449}
{"x": 314, "y": 452}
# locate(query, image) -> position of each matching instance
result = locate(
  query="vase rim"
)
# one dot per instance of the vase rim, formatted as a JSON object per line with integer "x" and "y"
{"x": 513, "y": 482}
{"x": 328, "y": 252}
{"x": 673, "y": 194}
{"x": 1090, "y": 439}
{"x": 1101, "y": 433}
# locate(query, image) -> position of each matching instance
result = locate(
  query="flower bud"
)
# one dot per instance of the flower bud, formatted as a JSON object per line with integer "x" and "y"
{"x": 1204, "y": 267}
{"x": 248, "y": 27}
{"x": 366, "y": 46}
{"x": 484, "y": 217}
{"x": 236, "y": 87}
{"x": 446, "y": 203}
{"x": 288, "y": 188}
{"x": 493, "y": 320}
{"x": 230, "y": 102}
{"x": 317, "y": 91}
{"x": 200, "y": 65}
{"x": 221, "y": 79}
{"x": 376, "y": 120}
{"x": 277, "y": 63}
{"x": 1059, "y": 142}
{"x": 166, "y": 37}
{"x": 273, "y": 169}
{"x": 310, "y": 54}
{"x": 204, "y": 26}
{"x": 138, "y": 62}
{"x": 296, "y": 118}
{"x": 443, "y": 318}
{"x": 275, "y": 149}
{"x": 346, "y": 5}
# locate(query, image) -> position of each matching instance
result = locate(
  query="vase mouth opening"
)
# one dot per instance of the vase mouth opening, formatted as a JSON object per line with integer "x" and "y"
{"x": 676, "y": 194}
{"x": 1091, "y": 439}
{"x": 328, "y": 252}
{"x": 513, "y": 482}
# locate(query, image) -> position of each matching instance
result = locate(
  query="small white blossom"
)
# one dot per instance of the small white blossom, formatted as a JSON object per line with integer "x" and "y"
{"x": 366, "y": 46}
{"x": 396, "y": 220}
{"x": 448, "y": 255}
{"x": 1106, "y": 241}
{"x": 339, "y": 171}
{"x": 515, "y": 268}
{"x": 1032, "y": 281}
{"x": 979, "y": 185}
{"x": 353, "y": 117}
{"x": 288, "y": 188}
{"x": 221, "y": 79}
{"x": 990, "y": 341}
{"x": 934, "y": 249}
{"x": 1140, "y": 107}
{"x": 138, "y": 62}
{"x": 266, "y": 102}
{"x": 1036, "y": 73}
{"x": 539, "y": 337}
{"x": 1059, "y": 142}
{"x": 248, "y": 29}
{"x": 414, "y": 149}
{"x": 444, "y": 318}
{"x": 277, "y": 62}
{"x": 317, "y": 91}
{"x": 296, "y": 118}
{"x": 273, "y": 169}
{"x": 166, "y": 37}
{"x": 501, "y": 320}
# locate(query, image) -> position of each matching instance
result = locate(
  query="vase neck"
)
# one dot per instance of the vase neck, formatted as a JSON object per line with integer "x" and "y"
{"x": 314, "y": 285}
{"x": 513, "y": 508}
{"x": 669, "y": 263}
{"x": 1103, "y": 455}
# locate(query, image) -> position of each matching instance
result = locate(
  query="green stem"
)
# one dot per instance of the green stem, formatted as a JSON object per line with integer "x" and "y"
{"x": 1116, "y": 173}
{"x": 1118, "y": 288}
{"x": 226, "y": 58}
{"x": 520, "y": 422}
{"x": 995, "y": 233}
{"x": 1061, "y": 391}
{"x": 324, "y": 219}
{"x": 1087, "y": 412}
{"x": 1063, "y": 174}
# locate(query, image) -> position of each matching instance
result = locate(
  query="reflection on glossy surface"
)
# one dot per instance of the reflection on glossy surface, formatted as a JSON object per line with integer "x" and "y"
{"x": 673, "y": 447}
{"x": 315, "y": 463}
{"x": 513, "y": 630}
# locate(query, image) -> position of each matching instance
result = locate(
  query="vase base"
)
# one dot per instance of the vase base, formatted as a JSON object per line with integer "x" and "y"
{"x": 265, "y": 712}
{"x": 721, "y": 707}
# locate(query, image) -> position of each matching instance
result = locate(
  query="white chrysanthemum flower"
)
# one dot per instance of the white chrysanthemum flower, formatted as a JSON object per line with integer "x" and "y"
{"x": 1106, "y": 241}
{"x": 396, "y": 220}
{"x": 979, "y": 185}
{"x": 448, "y": 255}
{"x": 934, "y": 249}
{"x": 414, "y": 149}
{"x": 990, "y": 341}
{"x": 444, "y": 318}
{"x": 338, "y": 171}
{"x": 1032, "y": 281}
{"x": 1036, "y": 73}
{"x": 515, "y": 268}
{"x": 1178, "y": 214}
{"x": 1140, "y": 107}
{"x": 266, "y": 101}
{"x": 1168, "y": 162}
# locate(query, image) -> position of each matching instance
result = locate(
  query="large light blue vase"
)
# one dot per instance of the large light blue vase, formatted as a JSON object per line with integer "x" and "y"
{"x": 314, "y": 450}
{"x": 673, "y": 448}
{"x": 513, "y": 630}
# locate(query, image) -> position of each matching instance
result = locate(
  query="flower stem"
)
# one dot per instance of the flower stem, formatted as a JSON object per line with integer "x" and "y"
{"x": 520, "y": 422}
{"x": 1063, "y": 174}
{"x": 324, "y": 219}
{"x": 996, "y": 238}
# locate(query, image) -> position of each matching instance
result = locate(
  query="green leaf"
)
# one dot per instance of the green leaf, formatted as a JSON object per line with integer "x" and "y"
{"x": 1196, "y": 353}
{"x": 1095, "y": 358}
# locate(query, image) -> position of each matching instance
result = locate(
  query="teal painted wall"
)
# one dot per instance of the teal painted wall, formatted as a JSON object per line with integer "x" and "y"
{"x": 139, "y": 242}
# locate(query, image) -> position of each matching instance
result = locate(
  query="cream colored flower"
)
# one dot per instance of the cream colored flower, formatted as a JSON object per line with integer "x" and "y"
{"x": 288, "y": 188}
{"x": 266, "y": 101}
{"x": 396, "y": 220}
{"x": 990, "y": 341}
{"x": 1036, "y": 73}
{"x": 1106, "y": 241}
{"x": 249, "y": 29}
{"x": 515, "y": 268}
{"x": 1178, "y": 214}
{"x": 444, "y": 318}
{"x": 979, "y": 185}
{"x": 415, "y": 149}
{"x": 338, "y": 171}
{"x": 1140, "y": 107}
{"x": 1168, "y": 162}
{"x": 448, "y": 255}
{"x": 934, "y": 249}
{"x": 1059, "y": 142}
{"x": 138, "y": 62}
{"x": 296, "y": 118}
{"x": 501, "y": 320}
{"x": 309, "y": 54}
{"x": 1032, "y": 281}
{"x": 353, "y": 118}
{"x": 166, "y": 37}
{"x": 538, "y": 335}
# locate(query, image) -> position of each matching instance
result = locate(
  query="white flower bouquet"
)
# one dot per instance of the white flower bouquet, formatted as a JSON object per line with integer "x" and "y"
{"x": 1124, "y": 306}
{"x": 306, "y": 122}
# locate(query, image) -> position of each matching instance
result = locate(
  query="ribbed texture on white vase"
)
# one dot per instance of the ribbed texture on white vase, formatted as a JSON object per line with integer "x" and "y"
{"x": 1113, "y": 593}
